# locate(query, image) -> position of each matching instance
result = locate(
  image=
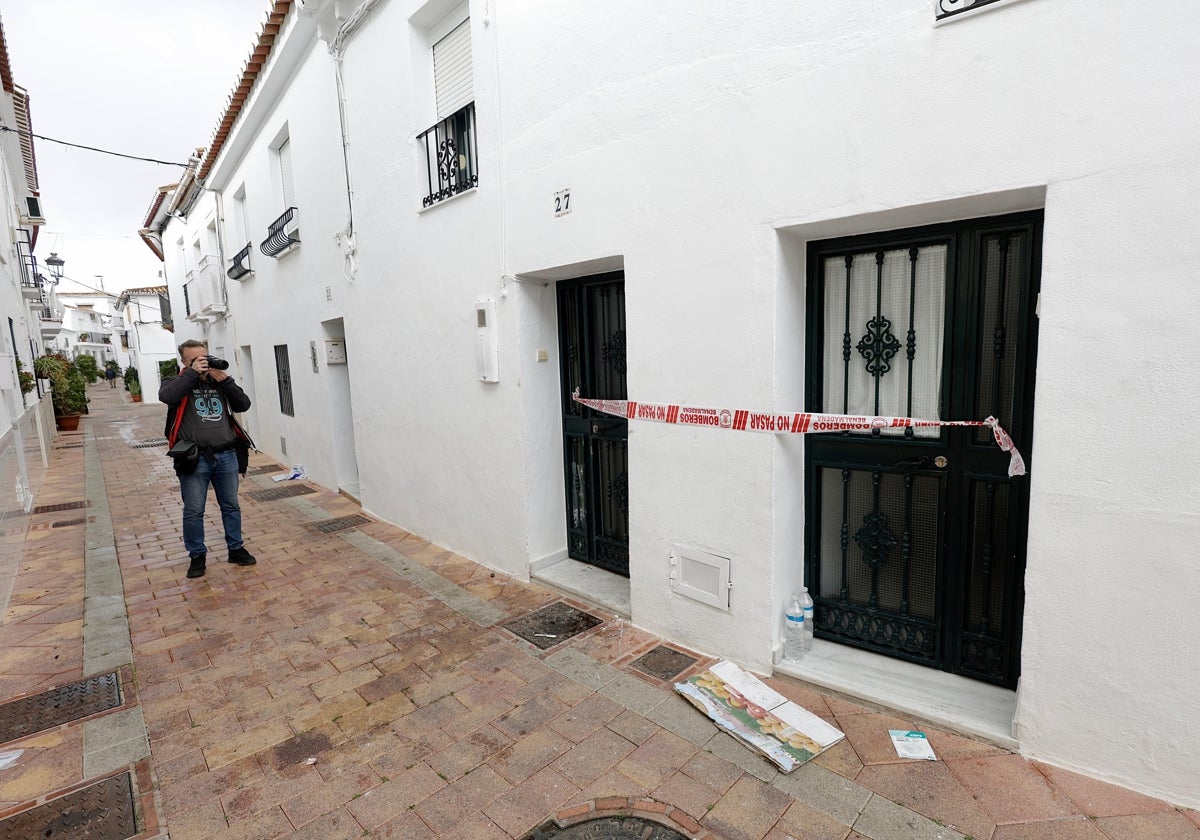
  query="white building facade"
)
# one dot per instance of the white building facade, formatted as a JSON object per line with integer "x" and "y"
{"x": 882, "y": 208}
{"x": 146, "y": 315}
{"x": 30, "y": 315}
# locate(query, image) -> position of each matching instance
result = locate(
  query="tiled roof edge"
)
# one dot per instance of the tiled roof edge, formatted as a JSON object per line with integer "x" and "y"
{"x": 241, "y": 92}
{"x": 6, "y": 78}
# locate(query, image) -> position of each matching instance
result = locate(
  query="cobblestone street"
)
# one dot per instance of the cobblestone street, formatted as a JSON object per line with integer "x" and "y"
{"x": 359, "y": 682}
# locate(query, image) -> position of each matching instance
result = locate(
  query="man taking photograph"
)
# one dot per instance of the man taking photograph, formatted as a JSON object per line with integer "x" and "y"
{"x": 200, "y": 405}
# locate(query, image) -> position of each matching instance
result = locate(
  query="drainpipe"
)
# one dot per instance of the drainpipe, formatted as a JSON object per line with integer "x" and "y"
{"x": 336, "y": 32}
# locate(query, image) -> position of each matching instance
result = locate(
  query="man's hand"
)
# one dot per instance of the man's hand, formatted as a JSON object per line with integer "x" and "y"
{"x": 217, "y": 375}
{"x": 200, "y": 365}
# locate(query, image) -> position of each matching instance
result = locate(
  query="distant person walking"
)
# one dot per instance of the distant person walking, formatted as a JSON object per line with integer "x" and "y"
{"x": 110, "y": 373}
{"x": 200, "y": 405}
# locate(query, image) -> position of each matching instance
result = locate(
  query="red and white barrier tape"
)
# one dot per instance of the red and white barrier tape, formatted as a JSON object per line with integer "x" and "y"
{"x": 796, "y": 423}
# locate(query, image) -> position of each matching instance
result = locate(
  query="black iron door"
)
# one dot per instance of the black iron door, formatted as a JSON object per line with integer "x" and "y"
{"x": 591, "y": 339}
{"x": 916, "y": 537}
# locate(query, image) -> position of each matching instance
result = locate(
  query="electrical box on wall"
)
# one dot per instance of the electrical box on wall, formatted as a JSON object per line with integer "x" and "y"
{"x": 335, "y": 351}
{"x": 487, "y": 344}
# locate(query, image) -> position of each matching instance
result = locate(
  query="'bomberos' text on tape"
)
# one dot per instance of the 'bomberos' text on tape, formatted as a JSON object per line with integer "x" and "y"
{"x": 793, "y": 423}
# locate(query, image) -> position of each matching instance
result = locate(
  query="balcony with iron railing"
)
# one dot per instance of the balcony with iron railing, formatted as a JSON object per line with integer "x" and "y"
{"x": 31, "y": 286}
{"x": 451, "y": 159}
{"x": 949, "y": 8}
{"x": 239, "y": 265}
{"x": 51, "y": 319}
{"x": 202, "y": 293}
{"x": 283, "y": 234}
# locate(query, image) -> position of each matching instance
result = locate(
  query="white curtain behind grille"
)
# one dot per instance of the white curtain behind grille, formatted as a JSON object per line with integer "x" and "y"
{"x": 928, "y": 318}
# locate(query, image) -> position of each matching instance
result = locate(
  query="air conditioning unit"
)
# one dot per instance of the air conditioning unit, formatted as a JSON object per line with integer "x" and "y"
{"x": 33, "y": 207}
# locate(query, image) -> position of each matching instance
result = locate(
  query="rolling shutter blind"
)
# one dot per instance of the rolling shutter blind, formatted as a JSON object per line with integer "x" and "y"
{"x": 285, "y": 174}
{"x": 452, "y": 80}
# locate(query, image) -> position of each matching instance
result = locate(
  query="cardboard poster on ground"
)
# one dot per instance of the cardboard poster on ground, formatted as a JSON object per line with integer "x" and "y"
{"x": 758, "y": 716}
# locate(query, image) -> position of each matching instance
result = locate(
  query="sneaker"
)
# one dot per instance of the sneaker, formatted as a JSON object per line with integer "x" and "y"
{"x": 196, "y": 568}
{"x": 241, "y": 557}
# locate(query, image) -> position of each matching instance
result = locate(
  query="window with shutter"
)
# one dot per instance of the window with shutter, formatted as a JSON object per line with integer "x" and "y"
{"x": 452, "y": 78}
{"x": 285, "y": 174}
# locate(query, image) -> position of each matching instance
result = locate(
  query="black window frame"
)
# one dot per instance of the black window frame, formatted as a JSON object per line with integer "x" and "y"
{"x": 283, "y": 378}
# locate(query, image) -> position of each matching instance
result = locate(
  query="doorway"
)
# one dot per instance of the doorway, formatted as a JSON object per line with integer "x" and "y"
{"x": 335, "y": 351}
{"x": 915, "y": 538}
{"x": 591, "y": 339}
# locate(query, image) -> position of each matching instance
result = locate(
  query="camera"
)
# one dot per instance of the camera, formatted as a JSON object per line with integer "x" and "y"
{"x": 217, "y": 364}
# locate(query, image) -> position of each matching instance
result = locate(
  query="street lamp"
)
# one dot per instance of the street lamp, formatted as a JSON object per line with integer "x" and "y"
{"x": 56, "y": 263}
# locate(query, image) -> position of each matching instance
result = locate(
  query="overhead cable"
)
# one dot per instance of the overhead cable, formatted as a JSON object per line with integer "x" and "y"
{"x": 91, "y": 148}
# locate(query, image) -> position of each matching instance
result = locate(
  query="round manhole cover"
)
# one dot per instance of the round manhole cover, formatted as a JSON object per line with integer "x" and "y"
{"x": 608, "y": 828}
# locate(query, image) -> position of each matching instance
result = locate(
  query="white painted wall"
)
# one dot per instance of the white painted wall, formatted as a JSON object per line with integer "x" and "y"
{"x": 704, "y": 148}
{"x": 446, "y": 457}
{"x": 149, "y": 343}
{"x": 1111, "y": 649}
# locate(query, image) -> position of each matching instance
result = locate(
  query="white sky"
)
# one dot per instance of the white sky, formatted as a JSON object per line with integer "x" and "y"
{"x": 141, "y": 77}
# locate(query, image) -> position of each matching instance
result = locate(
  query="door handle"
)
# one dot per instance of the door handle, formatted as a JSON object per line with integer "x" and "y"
{"x": 595, "y": 428}
{"x": 915, "y": 463}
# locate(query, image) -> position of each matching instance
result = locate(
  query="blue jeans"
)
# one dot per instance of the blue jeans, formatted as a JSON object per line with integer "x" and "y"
{"x": 222, "y": 474}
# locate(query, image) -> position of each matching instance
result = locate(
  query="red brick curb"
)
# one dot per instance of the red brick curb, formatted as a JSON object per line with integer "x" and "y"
{"x": 646, "y": 809}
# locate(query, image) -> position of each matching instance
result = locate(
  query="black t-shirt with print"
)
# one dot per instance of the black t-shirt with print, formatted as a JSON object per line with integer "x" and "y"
{"x": 206, "y": 418}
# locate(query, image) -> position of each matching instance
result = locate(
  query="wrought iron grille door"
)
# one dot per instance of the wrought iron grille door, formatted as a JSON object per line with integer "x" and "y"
{"x": 591, "y": 338}
{"x": 915, "y": 538}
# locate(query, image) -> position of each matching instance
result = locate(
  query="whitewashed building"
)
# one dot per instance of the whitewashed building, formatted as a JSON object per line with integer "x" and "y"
{"x": 146, "y": 315}
{"x": 442, "y": 219}
{"x": 92, "y": 326}
{"x": 29, "y": 314}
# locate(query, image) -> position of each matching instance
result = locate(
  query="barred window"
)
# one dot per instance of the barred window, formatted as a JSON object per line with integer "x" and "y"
{"x": 283, "y": 375}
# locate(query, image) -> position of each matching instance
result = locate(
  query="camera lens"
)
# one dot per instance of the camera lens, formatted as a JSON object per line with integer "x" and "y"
{"x": 217, "y": 364}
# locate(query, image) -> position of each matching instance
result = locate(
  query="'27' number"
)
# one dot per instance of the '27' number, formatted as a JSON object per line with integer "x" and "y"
{"x": 562, "y": 203}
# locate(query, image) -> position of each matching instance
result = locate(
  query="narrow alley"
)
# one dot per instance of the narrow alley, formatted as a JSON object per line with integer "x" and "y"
{"x": 361, "y": 682}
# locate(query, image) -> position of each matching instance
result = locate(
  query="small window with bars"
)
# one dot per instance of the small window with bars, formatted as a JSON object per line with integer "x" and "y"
{"x": 283, "y": 375}
{"x": 451, "y": 159}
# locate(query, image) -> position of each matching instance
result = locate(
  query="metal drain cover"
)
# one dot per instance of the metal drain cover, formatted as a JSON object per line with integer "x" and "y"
{"x": 328, "y": 526}
{"x": 63, "y": 506}
{"x": 550, "y": 625}
{"x": 281, "y": 493}
{"x": 663, "y": 662}
{"x": 607, "y": 828}
{"x": 63, "y": 523}
{"x": 270, "y": 468}
{"x": 57, "y": 706}
{"x": 103, "y": 811}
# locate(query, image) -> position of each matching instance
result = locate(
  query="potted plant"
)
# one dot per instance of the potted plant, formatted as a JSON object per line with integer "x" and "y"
{"x": 86, "y": 365}
{"x": 69, "y": 395}
{"x": 135, "y": 389}
{"x": 25, "y": 378}
{"x": 50, "y": 365}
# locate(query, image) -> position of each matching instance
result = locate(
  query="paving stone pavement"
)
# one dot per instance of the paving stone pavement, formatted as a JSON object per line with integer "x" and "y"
{"x": 359, "y": 683}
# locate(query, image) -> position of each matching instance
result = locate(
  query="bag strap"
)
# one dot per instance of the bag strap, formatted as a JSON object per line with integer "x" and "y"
{"x": 174, "y": 435}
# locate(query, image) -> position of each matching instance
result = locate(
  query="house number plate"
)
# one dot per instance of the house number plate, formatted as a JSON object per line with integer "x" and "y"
{"x": 562, "y": 202}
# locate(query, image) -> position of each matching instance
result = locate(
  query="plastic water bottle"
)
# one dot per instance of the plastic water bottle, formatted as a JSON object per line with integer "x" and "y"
{"x": 793, "y": 633}
{"x": 806, "y": 602}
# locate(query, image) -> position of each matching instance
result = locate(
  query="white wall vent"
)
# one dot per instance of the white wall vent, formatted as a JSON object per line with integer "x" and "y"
{"x": 700, "y": 575}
